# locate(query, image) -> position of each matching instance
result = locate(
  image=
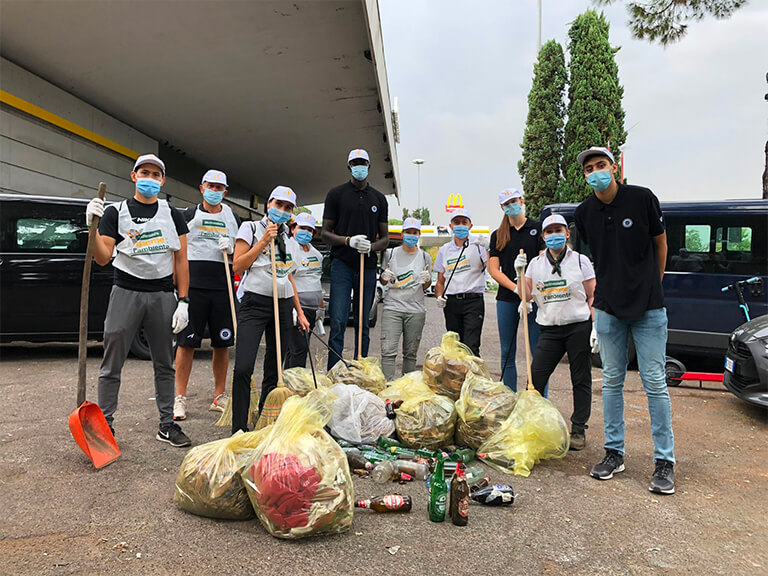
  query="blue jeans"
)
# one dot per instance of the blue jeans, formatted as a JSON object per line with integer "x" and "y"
{"x": 345, "y": 280}
{"x": 508, "y": 318}
{"x": 649, "y": 332}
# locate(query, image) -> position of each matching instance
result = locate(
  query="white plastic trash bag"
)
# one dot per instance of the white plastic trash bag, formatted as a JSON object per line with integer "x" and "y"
{"x": 359, "y": 416}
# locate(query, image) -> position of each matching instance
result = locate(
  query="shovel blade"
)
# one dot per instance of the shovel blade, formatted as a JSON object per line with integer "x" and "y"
{"x": 91, "y": 432}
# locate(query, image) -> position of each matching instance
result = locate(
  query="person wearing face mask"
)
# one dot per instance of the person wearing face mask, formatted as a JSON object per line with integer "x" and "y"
{"x": 562, "y": 283}
{"x": 516, "y": 232}
{"x": 460, "y": 266}
{"x": 212, "y": 230}
{"x": 355, "y": 221}
{"x": 149, "y": 238}
{"x": 624, "y": 228}
{"x": 407, "y": 271}
{"x": 307, "y": 276}
{"x": 256, "y": 316}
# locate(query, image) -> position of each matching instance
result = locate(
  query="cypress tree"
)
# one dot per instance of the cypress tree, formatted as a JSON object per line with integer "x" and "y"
{"x": 543, "y": 139}
{"x": 595, "y": 114}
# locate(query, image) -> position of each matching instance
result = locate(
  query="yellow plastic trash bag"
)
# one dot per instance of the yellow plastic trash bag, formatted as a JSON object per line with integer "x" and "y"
{"x": 209, "y": 482}
{"x": 299, "y": 380}
{"x": 534, "y": 431}
{"x": 426, "y": 420}
{"x": 446, "y": 366}
{"x": 482, "y": 408}
{"x": 411, "y": 384}
{"x": 298, "y": 479}
{"x": 365, "y": 373}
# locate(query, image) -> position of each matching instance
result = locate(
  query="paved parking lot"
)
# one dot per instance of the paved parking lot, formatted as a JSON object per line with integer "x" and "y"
{"x": 62, "y": 517}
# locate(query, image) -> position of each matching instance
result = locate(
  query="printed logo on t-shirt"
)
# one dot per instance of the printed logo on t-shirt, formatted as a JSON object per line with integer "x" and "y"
{"x": 312, "y": 265}
{"x": 554, "y": 291}
{"x": 149, "y": 242}
{"x": 212, "y": 229}
{"x": 534, "y": 232}
{"x": 627, "y": 222}
{"x": 404, "y": 280}
{"x": 460, "y": 266}
{"x": 374, "y": 209}
{"x": 283, "y": 267}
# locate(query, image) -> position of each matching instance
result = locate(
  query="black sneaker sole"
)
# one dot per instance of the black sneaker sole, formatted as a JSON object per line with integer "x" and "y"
{"x": 660, "y": 491}
{"x": 179, "y": 418}
{"x": 168, "y": 440}
{"x": 616, "y": 470}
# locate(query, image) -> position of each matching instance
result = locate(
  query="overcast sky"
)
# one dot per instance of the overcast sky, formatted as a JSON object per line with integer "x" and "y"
{"x": 461, "y": 70}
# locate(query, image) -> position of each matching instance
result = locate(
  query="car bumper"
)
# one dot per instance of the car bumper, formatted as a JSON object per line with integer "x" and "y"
{"x": 746, "y": 373}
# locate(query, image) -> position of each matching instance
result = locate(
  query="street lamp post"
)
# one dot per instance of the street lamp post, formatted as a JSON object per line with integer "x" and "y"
{"x": 418, "y": 162}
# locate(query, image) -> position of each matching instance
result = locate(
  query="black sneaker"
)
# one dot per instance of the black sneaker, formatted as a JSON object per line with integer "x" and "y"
{"x": 578, "y": 441}
{"x": 613, "y": 463}
{"x": 172, "y": 434}
{"x": 663, "y": 481}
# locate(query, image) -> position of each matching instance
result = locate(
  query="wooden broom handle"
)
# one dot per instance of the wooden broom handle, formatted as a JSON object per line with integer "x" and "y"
{"x": 360, "y": 310}
{"x": 521, "y": 284}
{"x": 231, "y": 295}
{"x": 277, "y": 315}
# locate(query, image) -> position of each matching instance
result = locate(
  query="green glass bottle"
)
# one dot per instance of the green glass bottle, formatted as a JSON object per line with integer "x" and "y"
{"x": 438, "y": 493}
{"x": 376, "y": 457}
{"x": 385, "y": 443}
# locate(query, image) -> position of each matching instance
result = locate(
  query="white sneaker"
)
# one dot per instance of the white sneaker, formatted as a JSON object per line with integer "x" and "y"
{"x": 180, "y": 408}
{"x": 219, "y": 402}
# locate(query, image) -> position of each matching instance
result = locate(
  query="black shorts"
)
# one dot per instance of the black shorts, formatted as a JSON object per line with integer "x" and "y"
{"x": 208, "y": 308}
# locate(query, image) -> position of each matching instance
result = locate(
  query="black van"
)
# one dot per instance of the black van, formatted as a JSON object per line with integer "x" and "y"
{"x": 710, "y": 245}
{"x": 42, "y": 252}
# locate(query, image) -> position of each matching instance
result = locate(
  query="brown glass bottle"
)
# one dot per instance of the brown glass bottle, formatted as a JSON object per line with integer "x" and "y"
{"x": 459, "y": 506}
{"x": 388, "y": 503}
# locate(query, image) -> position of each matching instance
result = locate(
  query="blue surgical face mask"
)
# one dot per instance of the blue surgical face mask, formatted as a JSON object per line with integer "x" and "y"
{"x": 600, "y": 180}
{"x": 513, "y": 209}
{"x": 410, "y": 240}
{"x": 303, "y": 237}
{"x": 212, "y": 197}
{"x": 278, "y": 216}
{"x": 555, "y": 241}
{"x": 359, "y": 172}
{"x": 461, "y": 232}
{"x": 148, "y": 187}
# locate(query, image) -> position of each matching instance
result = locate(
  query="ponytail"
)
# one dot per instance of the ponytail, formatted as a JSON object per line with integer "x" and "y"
{"x": 503, "y": 233}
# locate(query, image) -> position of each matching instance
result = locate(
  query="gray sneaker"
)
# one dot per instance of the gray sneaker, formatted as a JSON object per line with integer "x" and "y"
{"x": 578, "y": 441}
{"x": 663, "y": 481}
{"x": 180, "y": 408}
{"x": 613, "y": 463}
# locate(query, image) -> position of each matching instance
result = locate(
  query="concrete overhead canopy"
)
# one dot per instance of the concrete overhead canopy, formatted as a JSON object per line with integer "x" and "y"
{"x": 270, "y": 92}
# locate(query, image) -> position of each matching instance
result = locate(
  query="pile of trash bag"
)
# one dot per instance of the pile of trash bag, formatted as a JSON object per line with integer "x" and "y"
{"x": 299, "y": 380}
{"x": 209, "y": 482}
{"x": 446, "y": 366}
{"x": 365, "y": 373}
{"x": 482, "y": 408}
{"x": 298, "y": 480}
{"x": 358, "y": 417}
{"x": 407, "y": 385}
{"x": 534, "y": 431}
{"x": 426, "y": 420}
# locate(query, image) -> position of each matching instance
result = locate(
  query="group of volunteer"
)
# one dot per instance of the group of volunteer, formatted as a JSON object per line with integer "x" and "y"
{"x": 572, "y": 307}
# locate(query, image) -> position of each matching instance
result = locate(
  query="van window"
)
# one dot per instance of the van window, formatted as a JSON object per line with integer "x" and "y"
{"x": 736, "y": 239}
{"x": 697, "y": 237}
{"x": 44, "y": 234}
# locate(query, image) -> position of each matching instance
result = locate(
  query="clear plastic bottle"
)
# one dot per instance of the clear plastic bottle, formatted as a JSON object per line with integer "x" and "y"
{"x": 417, "y": 470}
{"x": 384, "y": 472}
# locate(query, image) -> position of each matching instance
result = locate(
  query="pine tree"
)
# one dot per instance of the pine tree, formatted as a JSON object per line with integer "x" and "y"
{"x": 543, "y": 139}
{"x": 595, "y": 114}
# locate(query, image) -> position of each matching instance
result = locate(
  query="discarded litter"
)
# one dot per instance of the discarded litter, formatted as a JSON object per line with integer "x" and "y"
{"x": 388, "y": 503}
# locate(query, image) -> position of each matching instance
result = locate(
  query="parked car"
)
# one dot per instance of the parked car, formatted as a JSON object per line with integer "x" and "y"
{"x": 42, "y": 253}
{"x": 746, "y": 362}
{"x": 710, "y": 244}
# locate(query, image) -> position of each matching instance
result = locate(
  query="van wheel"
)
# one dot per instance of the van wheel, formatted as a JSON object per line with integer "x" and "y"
{"x": 140, "y": 346}
{"x": 631, "y": 356}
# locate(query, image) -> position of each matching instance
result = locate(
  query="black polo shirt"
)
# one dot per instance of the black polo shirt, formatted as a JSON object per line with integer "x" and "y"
{"x": 354, "y": 212}
{"x": 620, "y": 236}
{"x": 528, "y": 237}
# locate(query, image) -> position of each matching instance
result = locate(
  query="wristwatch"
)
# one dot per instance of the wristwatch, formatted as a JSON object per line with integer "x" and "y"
{"x": 184, "y": 299}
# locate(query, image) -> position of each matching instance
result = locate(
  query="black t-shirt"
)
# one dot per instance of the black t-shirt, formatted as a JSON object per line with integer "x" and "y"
{"x": 620, "y": 236}
{"x": 140, "y": 213}
{"x": 355, "y": 212}
{"x": 205, "y": 274}
{"x": 529, "y": 239}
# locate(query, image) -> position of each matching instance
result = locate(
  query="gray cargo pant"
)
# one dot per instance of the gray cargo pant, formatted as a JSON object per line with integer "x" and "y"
{"x": 127, "y": 311}
{"x": 393, "y": 325}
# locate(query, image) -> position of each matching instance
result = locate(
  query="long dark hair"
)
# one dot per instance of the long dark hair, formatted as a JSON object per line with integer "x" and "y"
{"x": 503, "y": 233}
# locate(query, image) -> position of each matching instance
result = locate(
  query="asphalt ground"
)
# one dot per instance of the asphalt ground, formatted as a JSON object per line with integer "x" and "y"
{"x": 60, "y": 516}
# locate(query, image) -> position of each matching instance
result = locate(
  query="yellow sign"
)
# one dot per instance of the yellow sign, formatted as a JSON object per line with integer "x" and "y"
{"x": 454, "y": 201}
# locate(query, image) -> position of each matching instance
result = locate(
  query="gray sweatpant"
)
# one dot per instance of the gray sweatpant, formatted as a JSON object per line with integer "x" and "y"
{"x": 127, "y": 311}
{"x": 394, "y": 324}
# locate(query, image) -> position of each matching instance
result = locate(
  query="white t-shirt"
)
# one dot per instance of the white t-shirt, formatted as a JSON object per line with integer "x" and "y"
{"x": 307, "y": 276}
{"x": 406, "y": 293}
{"x": 470, "y": 270}
{"x": 561, "y": 299}
{"x": 259, "y": 277}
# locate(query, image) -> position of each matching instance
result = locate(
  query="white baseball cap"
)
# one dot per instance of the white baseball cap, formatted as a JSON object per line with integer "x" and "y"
{"x": 553, "y": 219}
{"x": 594, "y": 151}
{"x": 461, "y": 212}
{"x": 305, "y": 219}
{"x": 358, "y": 153}
{"x": 214, "y": 177}
{"x": 283, "y": 193}
{"x": 508, "y": 194}
{"x": 412, "y": 223}
{"x": 149, "y": 159}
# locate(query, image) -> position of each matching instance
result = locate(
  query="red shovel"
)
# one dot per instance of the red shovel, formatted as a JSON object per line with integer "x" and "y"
{"x": 87, "y": 423}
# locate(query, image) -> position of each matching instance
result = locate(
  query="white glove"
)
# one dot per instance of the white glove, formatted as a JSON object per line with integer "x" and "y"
{"x": 424, "y": 277}
{"x": 442, "y": 301}
{"x": 482, "y": 241}
{"x": 225, "y": 244}
{"x": 95, "y": 208}
{"x": 360, "y": 243}
{"x": 387, "y": 276}
{"x": 528, "y": 308}
{"x": 593, "y": 343}
{"x": 180, "y": 317}
{"x": 520, "y": 263}
{"x": 320, "y": 315}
